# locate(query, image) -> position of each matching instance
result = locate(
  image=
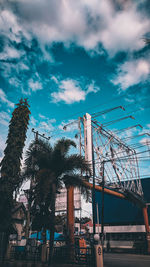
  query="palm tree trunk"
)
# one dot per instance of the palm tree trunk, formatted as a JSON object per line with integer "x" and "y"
{"x": 52, "y": 230}
{"x": 27, "y": 223}
{"x": 44, "y": 236}
{"x": 70, "y": 220}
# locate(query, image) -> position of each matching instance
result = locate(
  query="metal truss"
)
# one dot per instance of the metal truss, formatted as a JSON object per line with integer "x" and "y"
{"x": 121, "y": 169}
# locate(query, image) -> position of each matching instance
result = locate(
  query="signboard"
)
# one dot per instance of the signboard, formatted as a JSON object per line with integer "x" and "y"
{"x": 82, "y": 245}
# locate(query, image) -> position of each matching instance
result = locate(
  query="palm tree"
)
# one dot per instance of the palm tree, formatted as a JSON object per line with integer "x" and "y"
{"x": 55, "y": 168}
{"x": 38, "y": 204}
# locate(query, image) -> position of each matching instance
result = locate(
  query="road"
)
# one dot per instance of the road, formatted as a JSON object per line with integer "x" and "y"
{"x": 126, "y": 260}
{"x": 110, "y": 260}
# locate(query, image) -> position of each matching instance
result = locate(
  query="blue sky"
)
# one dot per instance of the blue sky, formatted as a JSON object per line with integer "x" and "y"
{"x": 71, "y": 57}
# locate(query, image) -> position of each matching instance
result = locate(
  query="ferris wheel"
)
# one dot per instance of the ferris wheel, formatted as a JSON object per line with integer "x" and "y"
{"x": 104, "y": 149}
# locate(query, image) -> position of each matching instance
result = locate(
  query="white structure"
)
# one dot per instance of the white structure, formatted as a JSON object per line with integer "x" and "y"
{"x": 88, "y": 138}
{"x": 23, "y": 199}
{"x": 61, "y": 200}
{"x": 121, "y": 163}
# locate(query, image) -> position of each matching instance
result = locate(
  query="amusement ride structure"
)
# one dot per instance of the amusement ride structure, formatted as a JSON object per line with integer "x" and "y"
{"x": 114, "y": 165}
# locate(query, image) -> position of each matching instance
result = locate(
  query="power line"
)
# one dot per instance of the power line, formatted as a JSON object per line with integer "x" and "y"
{"x": 117, "y": 120}
{"x": 36, "y": 133}
{"x": 135, "y": 136}
{"x": 129, "y": 128}
{"x": 94, "y": 115}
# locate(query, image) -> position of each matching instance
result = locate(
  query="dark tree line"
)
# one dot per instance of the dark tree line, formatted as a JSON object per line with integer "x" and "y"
{"x": 11, "y": 162}
{"x": 49, "y": 168}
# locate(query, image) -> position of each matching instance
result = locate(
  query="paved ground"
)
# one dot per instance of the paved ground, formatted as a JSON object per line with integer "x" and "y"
{"x": 110, "y": 260}
{"x": 126, "y": 260}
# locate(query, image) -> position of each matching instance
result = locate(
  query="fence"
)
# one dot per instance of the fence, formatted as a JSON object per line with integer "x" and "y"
{"x": 3, "y": 245}
{"x": 24, "y": 253}
{"x": 61, "y": 255}
{"x": 80, "y": 256}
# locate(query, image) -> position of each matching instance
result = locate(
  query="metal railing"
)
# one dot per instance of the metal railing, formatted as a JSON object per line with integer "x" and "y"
{"x": 76, "y": 255}
{"x": 61, "y": 255}
{"x": 25, "y": 253}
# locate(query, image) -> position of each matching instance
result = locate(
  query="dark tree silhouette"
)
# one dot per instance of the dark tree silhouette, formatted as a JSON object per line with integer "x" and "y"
{"x": 11, "y": 162}
{"x": 53, "y": 168}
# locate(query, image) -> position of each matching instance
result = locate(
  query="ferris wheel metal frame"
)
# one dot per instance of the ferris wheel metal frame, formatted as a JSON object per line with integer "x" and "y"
{"x": 120, "y": 160}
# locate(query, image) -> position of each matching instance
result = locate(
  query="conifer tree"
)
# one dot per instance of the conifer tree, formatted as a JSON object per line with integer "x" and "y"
{"x": 11, "y": 162}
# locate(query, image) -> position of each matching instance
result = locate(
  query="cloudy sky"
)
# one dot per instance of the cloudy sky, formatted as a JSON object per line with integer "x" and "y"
{"x": 71, "y": 57}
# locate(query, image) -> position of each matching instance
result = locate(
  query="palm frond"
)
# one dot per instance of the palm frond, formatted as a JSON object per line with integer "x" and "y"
{"x": 63, "y": 146}
{"x": 77, "y": 162}
{"x": 43, "y": 188}
{"x": 38, "y": 154}
{"x": 76, "y": 180}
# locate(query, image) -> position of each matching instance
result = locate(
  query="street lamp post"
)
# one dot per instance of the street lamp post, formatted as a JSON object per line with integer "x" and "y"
{"x": 93, "y": 191}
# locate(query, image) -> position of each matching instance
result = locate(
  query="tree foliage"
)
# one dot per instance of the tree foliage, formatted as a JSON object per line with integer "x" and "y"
{"x": 53, "y": 168}
{"x": 11, "y": 162}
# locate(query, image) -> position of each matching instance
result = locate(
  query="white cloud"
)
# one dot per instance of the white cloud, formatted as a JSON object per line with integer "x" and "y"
{"x": 131, "y": 73}
{"x": 85, "y": 22}
{"x": 42, "y": 116}
{"x": 3, "y": 98}
{"x": 92, "y": 88}
{"x": 129, "y": 133}
{"x": 14, "y": 81}
{"x": 54, "y": 78}
{"x": 144, "y": 141}
{"x": 12, "y": 27}
{"x": 129, "y": 100}
{"x": 23, "y": 66}
{"x": 46, "y": 118}
{"x": 10, "y": 53}
{"x": 4, "y": 118}
{"x": 35, "y": 85}
{"x": 70, "y": 91}
{"x": 12, "y": 71}
{"x": 2, "y": 146}
{"x": 124, "y": 31}
{"x": 47, "y": 126}
{"x": 71, "y": 125}
{"x": 52, "y": 120}
{"x": 33, "y": 120}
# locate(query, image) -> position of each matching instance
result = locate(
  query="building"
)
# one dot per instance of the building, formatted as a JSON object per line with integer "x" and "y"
{"x": 19, "y": 218}
{"x": 122, "y": 212}
{"x": 61, "y": 200}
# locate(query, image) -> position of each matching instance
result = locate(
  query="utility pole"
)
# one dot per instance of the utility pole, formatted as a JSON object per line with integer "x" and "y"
{"x": 102, "y": 215}
{"x": 93, "y": 190}
{"x": 147, "y": 143}
{"x": 89, "y": 157}
{"x": 80, "y": 137}
{"x": 37, "y": 134}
